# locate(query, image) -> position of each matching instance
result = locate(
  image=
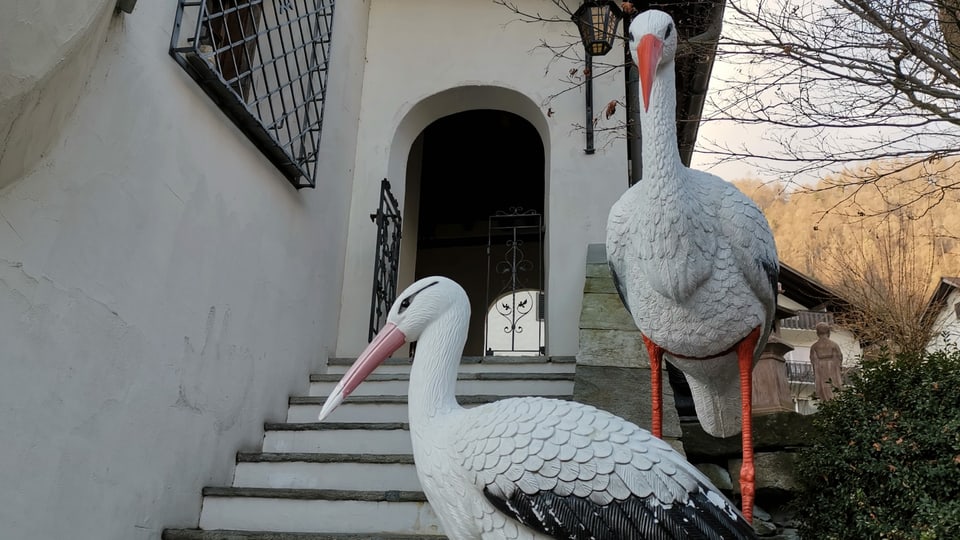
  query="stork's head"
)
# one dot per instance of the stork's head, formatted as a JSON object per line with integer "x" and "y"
{"x": 415, "y": 309}
{"x": 424, "y": 302}
{"x": 653, "y": 43}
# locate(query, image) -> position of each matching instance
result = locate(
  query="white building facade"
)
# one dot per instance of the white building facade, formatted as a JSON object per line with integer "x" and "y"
{"x": 163, "y": 286}
{"x": 946, "y": 301}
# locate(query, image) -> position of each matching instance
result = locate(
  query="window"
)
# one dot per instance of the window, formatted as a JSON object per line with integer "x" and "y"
{"x": 264, "y": 62}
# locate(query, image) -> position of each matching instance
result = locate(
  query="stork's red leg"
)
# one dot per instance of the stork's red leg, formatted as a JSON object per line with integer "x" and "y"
{"x": 745, "y": 352}
{"x": 655, "y": 352}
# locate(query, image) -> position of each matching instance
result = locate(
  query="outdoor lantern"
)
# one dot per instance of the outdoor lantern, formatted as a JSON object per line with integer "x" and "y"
{"x": 597, "y": 21}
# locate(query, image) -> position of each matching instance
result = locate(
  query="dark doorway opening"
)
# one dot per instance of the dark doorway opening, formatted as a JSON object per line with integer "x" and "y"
{"x": 475, "y": 164}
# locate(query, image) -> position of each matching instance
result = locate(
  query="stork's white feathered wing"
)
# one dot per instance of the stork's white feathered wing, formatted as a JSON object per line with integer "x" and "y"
{"x": 568, "y": 470}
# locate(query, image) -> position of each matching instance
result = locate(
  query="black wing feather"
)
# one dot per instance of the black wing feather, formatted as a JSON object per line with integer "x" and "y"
{"x": 635, "y": 518}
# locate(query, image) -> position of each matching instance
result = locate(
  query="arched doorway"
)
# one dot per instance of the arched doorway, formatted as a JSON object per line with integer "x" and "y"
{"x": 469, "y": 168}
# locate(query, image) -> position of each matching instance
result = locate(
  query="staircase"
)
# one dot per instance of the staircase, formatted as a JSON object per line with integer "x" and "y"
{"x": 353, "y": 476}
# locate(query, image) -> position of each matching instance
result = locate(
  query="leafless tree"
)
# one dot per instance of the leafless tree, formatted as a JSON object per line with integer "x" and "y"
{"x": 567, "y": 47}
{"x": 843, "y": 83}
{"x": 885, "y": 270}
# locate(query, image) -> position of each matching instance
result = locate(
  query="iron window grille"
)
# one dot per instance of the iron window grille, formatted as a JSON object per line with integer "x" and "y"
{"x": 264, "y": 63}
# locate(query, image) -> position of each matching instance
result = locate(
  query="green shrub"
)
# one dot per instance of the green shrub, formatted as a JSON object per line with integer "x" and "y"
{"x": 885, "y": 459}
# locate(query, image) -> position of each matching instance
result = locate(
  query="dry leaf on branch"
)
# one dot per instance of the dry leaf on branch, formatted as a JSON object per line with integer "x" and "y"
{"x": 611, "y": 109}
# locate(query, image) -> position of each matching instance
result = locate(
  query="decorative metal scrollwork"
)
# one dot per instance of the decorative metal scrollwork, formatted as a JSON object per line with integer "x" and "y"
{"x": 514, "y": 283}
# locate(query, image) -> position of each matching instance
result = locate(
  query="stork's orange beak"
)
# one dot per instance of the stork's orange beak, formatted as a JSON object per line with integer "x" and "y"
{"x": 648, "y": 58}
{"x": 386, "y": 342}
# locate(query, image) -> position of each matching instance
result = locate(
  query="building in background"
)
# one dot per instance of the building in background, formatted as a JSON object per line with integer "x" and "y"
{"x": 945, "y": 301}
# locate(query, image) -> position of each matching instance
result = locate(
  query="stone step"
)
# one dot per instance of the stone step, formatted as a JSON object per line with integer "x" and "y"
{"x": 327, "y": 471}
{"x": 371, "y": 408}
{"x": 473, "y": 364}
{"x": 337, "y": 437}
{"x": 199, "y": 534}
{"x": 488, "y": 383}
{"x": 318, "y": 511}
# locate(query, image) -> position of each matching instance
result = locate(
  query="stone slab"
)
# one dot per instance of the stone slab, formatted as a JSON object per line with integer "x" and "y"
{"x": 774, "y": 471}
{"x": 717, "y": 475}
{"x": 625, "y": 392}
{"x": 596, "y": 254}
{"x": 601, "y": 283}
{"x": 605, "y": 311}
{"x": 620, "y": 348}
{"x": 770, "y": 432}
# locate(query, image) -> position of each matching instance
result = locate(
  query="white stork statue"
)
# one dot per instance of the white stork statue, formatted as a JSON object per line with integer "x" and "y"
{"x": 693, "y": 259}
{"x": 531, "y": 468}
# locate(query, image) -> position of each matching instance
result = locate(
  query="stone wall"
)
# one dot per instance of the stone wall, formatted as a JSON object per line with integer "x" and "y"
{"x": 613, "y": 369}
{"x": 776, "y": 440}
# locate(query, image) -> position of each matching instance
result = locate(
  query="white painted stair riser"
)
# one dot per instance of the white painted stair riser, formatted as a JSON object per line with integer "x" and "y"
{"x": 350, "y": 412}
{"x": 340, "y": 475}
{"x": 534, "y": 367}
{"x": 361, "y": 410}
{"x": 297, "y": 515}
{"x": 514, "y": 387}
{"x": 393, "y": 441}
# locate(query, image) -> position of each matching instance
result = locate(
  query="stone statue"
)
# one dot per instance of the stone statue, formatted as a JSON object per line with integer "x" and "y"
{"x": 826, "y": 358}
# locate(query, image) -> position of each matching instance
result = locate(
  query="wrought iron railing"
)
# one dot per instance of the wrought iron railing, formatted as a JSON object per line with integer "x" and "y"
{"x": 515, "y": 320}
{"x": 807, "y": 320}
{"x": 264, "y": 62}
{"x": 800, "y": 372}
{"x": 386, "y": 264}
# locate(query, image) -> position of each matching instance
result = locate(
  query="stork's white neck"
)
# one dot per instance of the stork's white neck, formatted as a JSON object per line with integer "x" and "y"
{"x": 433, "y": 377}
{"x": 658, "y": 127}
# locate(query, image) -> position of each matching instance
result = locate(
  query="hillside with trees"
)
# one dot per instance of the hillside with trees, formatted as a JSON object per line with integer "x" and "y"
{"x": 884, "y": 248}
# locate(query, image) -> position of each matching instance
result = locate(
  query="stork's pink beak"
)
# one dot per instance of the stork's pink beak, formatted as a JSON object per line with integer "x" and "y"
{"x": 386, "y": 342}
{"x": 648, "y": 58}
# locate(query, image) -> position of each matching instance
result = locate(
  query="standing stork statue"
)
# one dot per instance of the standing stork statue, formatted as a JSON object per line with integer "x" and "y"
{"x": 531, "y": 468}
{"x": 693, "y": 259}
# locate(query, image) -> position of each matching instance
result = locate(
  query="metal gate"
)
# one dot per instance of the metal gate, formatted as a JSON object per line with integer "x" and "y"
{"x": 514, "y": 321}
{"x": 387, "y": 260}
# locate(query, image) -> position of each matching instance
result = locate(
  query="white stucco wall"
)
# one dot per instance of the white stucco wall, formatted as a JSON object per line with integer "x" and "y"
{"x": 163, "y": 290}
{"x": 947, "y": 325}
{"x": 431, "y": 58}
{"x": 46, "y": 50}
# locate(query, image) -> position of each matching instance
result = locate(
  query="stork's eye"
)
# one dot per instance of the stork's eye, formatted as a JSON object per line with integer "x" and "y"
{"x": 405, "y": 303}
{"x": 669, "y": 30}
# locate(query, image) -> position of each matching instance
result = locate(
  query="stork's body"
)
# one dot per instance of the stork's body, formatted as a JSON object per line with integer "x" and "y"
{"x": 693, "y": 259}
{"x": 532, "y": 468}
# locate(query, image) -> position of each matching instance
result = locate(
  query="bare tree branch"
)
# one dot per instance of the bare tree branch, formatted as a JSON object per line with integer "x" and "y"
{"x": 881, "y": 73}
